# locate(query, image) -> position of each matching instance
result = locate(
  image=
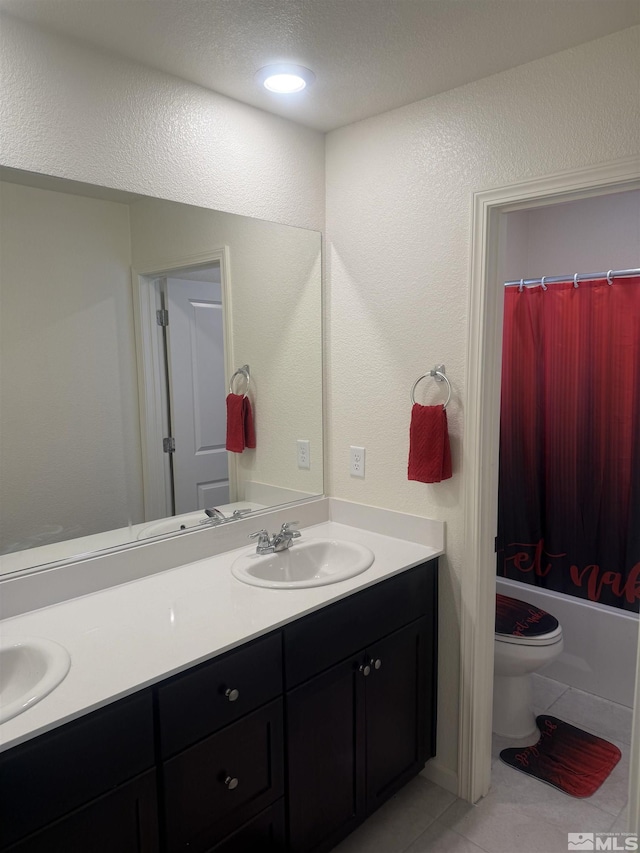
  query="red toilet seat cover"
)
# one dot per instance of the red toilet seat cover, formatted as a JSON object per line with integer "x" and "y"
{"x": 519, "y": 619}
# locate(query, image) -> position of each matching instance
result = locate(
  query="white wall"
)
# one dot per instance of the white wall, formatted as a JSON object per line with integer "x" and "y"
{"x": 399, "y": 193}
{"x": 79, "y": 113}
{"x": 70, "y": 462}
{"x": 590, "y": 235}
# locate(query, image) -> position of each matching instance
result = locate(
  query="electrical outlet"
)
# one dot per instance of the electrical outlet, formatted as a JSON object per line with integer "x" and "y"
{"x": 356, "y": 465}
{"x": 304, "y": 458}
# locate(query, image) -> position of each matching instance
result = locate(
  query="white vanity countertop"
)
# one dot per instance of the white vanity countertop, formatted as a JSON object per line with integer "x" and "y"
{"x": 127, "y": 637}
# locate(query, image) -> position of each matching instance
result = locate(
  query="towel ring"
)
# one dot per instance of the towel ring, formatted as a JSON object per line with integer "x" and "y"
{"x": 243, "y": 372}
{"x": 440, "y": 376}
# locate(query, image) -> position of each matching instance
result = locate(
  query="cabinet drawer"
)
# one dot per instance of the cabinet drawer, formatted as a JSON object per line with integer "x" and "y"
{"x": 322, "y": 639}
{"x": 210, "y": 696}
{"x": 262, "y": 834}
{"x": 59, "y": 771}
{"x": 214, "y": 787}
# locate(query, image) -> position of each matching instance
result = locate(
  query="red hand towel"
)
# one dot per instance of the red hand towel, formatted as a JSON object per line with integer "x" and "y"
{"x": 240, "y": 428}
{"x": 249, "y": 428}
{"x": 429, "y": 448}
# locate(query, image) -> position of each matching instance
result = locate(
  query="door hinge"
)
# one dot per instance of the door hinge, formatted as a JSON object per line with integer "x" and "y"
{"x": 162, "y": 317}
{"x": 495, "y": 545}
{"x": 169, "y": 445}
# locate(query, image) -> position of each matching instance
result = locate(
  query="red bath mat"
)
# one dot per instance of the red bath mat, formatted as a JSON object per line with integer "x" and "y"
{"x": 568, "y": 758}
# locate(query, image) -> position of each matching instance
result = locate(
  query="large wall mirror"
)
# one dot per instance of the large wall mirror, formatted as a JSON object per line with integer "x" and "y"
{"x": 125, "y": 323}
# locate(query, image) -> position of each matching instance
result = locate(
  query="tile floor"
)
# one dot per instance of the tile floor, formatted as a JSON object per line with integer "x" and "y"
{"x": 519, "y": 814}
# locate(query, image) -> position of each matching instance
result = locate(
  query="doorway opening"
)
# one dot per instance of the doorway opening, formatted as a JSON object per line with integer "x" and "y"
{"x": 183, "y": 329}
{"x": 566, "y": 478}
{"x": 481, "y": 453}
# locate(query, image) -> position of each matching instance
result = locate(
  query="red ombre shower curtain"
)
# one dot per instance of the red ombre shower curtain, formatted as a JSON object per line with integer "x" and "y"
{"x": 569, "y": 493}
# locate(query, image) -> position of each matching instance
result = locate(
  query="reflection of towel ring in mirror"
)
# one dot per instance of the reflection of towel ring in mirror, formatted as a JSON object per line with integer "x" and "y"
{"x": 439, "y": 375}
{"x": 243, "y": 372}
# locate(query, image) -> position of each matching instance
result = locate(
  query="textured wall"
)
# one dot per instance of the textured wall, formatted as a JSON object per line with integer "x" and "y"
{"x": 399, "y": 191}
{"x": 78, "y": 113}
{"x": 70, "y": 461}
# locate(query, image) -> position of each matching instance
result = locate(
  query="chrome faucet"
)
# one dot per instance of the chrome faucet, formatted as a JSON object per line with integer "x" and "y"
{"x": 214, "y": 516}
{"x": 279, "y": 541}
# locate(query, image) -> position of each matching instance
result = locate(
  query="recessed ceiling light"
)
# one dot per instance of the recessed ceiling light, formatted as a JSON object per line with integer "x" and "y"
{"x": 284, "y": 78}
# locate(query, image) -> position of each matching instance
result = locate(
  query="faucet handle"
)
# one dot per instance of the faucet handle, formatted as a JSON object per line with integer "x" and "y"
{"x": 287, "y": 529}
{"x": 238, "y": 513}
{"x": 265, "y": 543}
{"x": 262, "y": 536}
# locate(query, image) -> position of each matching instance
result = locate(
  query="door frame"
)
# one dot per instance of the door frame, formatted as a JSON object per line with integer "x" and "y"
{"x": 150, "y": 370}
{"x": 480, "y": 459}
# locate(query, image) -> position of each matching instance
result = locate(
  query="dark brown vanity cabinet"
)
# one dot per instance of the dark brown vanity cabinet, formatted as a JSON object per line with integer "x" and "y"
{"x": 360, "y": 729}
{"x": 284, "y": 744}
{"x": 88, "y": 785}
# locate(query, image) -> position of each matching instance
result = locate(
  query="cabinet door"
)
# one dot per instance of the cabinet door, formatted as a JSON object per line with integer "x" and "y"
{"x": 124, "y": 820}
{"x": 326, "y": 755}
{"x": 52, "y": 775}
{"x": 396, "y": 726}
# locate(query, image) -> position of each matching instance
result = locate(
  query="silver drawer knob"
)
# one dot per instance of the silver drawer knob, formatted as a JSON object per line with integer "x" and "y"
{"x": 231, "y": 783}
{"x": 231, "y": 694}
{"x": 376, "y": 664}
{"x": 365, "y": 669}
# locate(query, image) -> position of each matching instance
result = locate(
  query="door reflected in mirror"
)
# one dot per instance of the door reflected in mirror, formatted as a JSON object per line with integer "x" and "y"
{"x": 123, "y": 320}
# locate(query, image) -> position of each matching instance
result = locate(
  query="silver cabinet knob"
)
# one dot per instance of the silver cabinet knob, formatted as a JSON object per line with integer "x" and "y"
{"x": 376, "y": 664}
{"x": 231, "y": 783}
{"x": 232, "y": 694}
{"x": 365, "y": 669}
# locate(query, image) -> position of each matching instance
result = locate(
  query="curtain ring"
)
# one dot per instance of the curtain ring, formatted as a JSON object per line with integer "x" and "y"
{"x": 521, "y": 286}
{"x": 610, "y": 278}
{"x": 544, "y": 286}
{"x": 575, "y": 281}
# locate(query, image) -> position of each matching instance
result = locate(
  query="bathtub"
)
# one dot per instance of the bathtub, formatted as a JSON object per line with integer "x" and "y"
{"x": 600, "y": 642}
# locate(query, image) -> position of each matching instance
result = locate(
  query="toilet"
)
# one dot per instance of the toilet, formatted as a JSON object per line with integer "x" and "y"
{"x": 526, "y": 639}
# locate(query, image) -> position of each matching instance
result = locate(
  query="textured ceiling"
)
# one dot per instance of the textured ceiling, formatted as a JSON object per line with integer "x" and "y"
{"x": 369, "y": 56}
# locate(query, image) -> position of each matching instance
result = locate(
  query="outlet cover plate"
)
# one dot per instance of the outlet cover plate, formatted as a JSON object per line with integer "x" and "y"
{"x": 304, "y": 453}
{"x": 356, "y": 461}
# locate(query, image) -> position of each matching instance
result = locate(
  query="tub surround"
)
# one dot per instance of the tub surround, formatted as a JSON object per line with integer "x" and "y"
{"x": 153, "y": 625}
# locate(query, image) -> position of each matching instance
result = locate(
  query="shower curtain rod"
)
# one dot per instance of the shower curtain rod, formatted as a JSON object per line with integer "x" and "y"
{"x": 583, "y": 276}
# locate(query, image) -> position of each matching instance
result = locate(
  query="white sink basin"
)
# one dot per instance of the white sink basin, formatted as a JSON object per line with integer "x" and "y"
{"x": 29, "y": 670}
{"x": 314, "y": 562}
